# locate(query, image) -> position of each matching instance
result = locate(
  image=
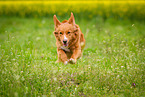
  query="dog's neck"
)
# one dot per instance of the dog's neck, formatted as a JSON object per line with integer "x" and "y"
{"x": 65, "y": 49}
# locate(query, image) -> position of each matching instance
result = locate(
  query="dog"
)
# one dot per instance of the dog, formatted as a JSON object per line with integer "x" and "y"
{"x": 70, "y": 40}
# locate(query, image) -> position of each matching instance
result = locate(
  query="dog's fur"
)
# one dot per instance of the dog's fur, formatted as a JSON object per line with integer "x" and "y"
{"x": 69, "y": 40}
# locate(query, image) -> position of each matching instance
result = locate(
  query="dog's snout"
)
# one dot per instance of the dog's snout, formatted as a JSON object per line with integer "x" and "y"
{"x": 65, "y": 41}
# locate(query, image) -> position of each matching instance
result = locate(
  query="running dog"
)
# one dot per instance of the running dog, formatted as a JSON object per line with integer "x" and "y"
{"x": 70, "y": 40}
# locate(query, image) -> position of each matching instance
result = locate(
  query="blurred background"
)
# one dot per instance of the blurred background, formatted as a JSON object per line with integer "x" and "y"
{"x": 118, "y": 9}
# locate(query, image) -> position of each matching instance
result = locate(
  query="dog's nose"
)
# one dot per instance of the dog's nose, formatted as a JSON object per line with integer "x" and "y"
{"x": 65, "y": 41}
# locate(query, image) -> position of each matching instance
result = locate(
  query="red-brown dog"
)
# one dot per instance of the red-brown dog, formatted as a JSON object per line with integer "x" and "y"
{"x": 69, "y": 40}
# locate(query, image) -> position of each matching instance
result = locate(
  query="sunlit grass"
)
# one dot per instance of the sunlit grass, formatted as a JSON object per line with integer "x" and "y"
{"x": 113, "y": 63}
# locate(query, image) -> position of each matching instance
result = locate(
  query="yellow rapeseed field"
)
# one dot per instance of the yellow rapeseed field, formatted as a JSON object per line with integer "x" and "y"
{"x": 115, "y": 9}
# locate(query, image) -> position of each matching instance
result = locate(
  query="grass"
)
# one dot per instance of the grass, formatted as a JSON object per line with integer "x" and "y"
{"x": 113, "y": 63}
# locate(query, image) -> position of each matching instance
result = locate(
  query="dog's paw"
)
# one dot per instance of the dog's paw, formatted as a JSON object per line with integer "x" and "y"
{"x": 72, "y": 61}
{"x": 65, "y": 62}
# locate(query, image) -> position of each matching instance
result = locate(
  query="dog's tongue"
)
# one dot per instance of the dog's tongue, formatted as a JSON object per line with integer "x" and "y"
{"x": 65, "y": 44}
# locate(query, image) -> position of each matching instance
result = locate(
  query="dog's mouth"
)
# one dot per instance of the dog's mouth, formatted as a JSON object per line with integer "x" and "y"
{"x": 65, "y": 44}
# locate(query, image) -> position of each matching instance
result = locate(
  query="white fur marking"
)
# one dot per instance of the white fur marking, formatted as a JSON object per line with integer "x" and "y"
{"x": 65, "y": 37}
{"x": 82, "y": 43}
{"x": 65, "y": 62}
{"x": 65, "y": 49}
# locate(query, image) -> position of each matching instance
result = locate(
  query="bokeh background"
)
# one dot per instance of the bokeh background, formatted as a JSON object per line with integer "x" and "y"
{"x": 118, "y": 9}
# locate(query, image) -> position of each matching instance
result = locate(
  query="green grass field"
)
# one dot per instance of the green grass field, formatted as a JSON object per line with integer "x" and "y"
{"x": 113, "y": 63}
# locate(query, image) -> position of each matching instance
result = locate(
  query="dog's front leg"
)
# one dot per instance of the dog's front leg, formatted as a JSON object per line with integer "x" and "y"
{"x": 62, "y": 57}
{"x": 76, "y": 54}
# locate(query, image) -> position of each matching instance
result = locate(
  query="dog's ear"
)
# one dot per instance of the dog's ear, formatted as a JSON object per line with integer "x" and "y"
{"x": 56, "y": 21}
{"x": 71, "y": 19}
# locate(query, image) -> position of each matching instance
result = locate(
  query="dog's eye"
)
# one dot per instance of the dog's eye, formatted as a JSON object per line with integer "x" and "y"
{"x": 60, "y": 32}
{"x": 68, "y": 32}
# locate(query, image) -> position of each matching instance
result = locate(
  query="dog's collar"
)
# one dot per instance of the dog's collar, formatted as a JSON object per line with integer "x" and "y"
{"x": 65, "y": 48}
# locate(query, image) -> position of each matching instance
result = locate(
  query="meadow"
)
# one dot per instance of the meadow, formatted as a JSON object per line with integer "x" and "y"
{"x": 113, "y": 63}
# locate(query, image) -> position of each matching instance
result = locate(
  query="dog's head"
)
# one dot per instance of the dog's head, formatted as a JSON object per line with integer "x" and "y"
{"x": 66, "y": 32}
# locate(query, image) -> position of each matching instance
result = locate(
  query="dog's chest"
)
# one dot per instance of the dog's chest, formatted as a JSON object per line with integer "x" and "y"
{"x": 65, "y": 49}
{"x": 68, "y": 51}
